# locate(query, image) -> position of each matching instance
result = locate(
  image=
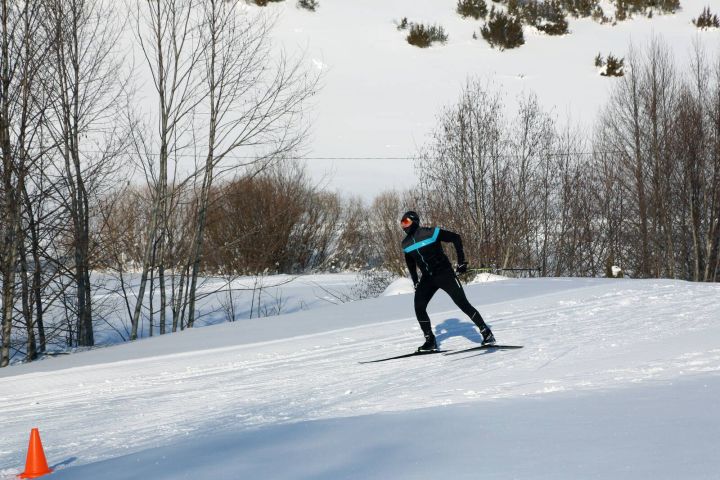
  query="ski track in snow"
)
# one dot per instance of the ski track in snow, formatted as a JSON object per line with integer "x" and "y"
{"x": 604, "y": 336}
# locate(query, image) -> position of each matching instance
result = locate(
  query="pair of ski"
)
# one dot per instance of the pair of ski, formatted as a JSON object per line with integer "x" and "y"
{"x": 447, "y": 352}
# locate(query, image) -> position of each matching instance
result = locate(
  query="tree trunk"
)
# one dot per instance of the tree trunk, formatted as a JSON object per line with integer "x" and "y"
{"x": 37, "y": 291}
{"x": 31, "y": 345}
{"x": 9, "y": 203}
{"x": 199, "y": 235}
{"x": 163, "y": 297}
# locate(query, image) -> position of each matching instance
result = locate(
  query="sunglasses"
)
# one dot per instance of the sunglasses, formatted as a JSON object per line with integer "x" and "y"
{"x": 406, "y": 222}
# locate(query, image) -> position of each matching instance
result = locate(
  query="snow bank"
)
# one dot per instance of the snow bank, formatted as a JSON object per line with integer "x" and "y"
{"x": 401, "y": 286}
{"x": 486, "y": 277}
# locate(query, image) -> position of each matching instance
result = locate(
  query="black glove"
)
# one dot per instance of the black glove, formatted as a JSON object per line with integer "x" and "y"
{"x": 415, "y": 285}
{"x": 461, "y": 268}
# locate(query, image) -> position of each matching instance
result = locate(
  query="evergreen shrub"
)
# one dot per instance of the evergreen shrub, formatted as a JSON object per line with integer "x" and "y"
{"x": 425, "y": 35}
{"x": 614, "y": 66}
{"x": 310, "y": 5}
{"x": 472, "y": 8}
{"x": 707, "y": 20}
{"x": 502, "y": 30}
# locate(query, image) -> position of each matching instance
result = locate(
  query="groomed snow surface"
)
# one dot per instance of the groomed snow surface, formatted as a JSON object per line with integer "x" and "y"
{"x": 617, "y": 379}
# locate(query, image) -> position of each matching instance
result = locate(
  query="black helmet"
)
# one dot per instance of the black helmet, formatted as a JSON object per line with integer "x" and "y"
{"x": 410, "y": 221}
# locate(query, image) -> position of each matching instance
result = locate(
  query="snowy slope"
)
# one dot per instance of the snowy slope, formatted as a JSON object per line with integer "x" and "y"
{"x": 380, "y": 96}
{"x": 251, "y": 296}
{"x": 611, "y": 369}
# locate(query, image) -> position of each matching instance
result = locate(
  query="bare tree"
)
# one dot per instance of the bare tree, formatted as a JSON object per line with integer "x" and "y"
{"x": 273, "y": 222}
{"x": 461, "y": 169}
{"x": 532, "y": 146}
{"x": 622, "y": 123}
{"x": 22, "y": 51}
{"x": 712, "y": 199}
{"x": 494, "y": 179}
{"x": 695, "y": 137}
{"x": 659, "y": 96}
{"x": 253, "y": 105}
{"x": 659, "y": 128}
{"x": 87, "y": 96}
{"x": 386, "y": 235}
{"x": 168, "y": 34}
{"x": 354, "y": 249}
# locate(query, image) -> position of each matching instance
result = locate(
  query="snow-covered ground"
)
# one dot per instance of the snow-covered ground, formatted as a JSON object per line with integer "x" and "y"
{"x": 222, "y": 299}
{"x": 617, "y": 379}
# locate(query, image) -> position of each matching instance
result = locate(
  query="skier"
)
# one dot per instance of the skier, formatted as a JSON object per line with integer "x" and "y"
{"x": 423, "y": 249}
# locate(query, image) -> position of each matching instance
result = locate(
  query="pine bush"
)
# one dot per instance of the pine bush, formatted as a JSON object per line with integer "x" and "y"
{"x": 311, "y": 5}
{"x": 707, "y": 20}
{"x": 547, "y": 16}
{"x": 580, "y": 8}
{"x": 614, "y": 66}
{"x": 552, "y": 19}
{"x": 503, "y": 31}
{"x": 621, "y": 13}
{"x": 625, "y": 8}
{"x": 599, "y": 15}
{"x": 425, "y": 35}
{"x": 472, "y": 8}
{"x": 514, "y": 7}
{"x": 599, "y": 62}
{"x": 529, "y": 12}
{"x": 669, "y": 6}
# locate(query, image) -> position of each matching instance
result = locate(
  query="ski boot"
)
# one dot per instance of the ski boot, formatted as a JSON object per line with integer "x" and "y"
{"x": 430, "y": 344}
{"x": 488, "y": 337}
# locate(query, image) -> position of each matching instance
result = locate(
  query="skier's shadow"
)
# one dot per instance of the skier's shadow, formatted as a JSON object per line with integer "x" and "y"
{"x": 453, "y": 327}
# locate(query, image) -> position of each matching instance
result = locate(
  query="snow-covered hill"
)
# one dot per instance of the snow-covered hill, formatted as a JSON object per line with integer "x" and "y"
{"x": 380, "y": 96}
{"x": 617, "y": 379}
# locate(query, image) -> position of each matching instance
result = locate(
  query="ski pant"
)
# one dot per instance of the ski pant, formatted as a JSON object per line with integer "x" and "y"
{"x": 429, "y": 284}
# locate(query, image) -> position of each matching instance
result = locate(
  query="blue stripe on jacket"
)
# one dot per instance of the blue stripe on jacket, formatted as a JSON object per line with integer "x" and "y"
{"x": 423, "y": 243}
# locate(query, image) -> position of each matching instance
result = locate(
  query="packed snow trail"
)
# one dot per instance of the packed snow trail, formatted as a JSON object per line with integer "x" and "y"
{"x": 652, "y": 432}
{"x": 579, "y": 335}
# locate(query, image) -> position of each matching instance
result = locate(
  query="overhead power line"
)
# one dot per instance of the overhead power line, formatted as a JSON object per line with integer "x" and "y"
{"x": 370, "y": 157}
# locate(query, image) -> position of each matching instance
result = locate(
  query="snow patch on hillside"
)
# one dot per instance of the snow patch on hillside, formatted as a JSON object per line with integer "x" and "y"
{"x": 380, "y": 96}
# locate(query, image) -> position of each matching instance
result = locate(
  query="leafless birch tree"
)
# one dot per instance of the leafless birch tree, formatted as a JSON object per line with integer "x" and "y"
{"x": 168, "y": 33}
{"x": 22, "y": 51}
{"x": 87, "y": 97}
{"x": 255, "y": 103}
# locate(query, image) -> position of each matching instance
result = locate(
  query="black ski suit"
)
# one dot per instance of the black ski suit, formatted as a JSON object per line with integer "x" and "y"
{"x": 423, "y": 249}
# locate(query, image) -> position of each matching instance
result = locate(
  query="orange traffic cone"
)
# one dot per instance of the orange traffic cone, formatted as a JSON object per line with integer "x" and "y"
{"x": 36, "y": 465}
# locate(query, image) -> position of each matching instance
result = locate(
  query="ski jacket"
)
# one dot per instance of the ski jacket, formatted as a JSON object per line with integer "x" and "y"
{"x": 423, "y": 249}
